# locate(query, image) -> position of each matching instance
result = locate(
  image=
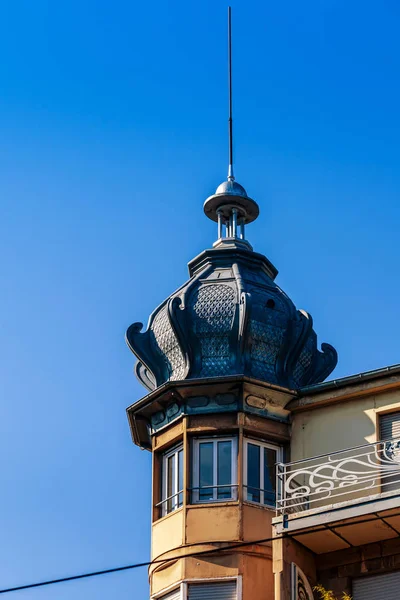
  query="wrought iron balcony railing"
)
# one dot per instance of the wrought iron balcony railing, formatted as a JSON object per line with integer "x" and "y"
{"x": 351, "y": 475}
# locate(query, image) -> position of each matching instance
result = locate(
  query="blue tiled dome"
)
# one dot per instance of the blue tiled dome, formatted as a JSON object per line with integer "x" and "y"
{"x": 230, "y": 318}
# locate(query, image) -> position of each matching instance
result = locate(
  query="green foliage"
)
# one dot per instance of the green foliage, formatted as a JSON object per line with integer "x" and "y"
{"x": 328, "y": 594}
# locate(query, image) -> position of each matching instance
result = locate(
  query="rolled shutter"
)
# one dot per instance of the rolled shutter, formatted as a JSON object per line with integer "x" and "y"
{"x": 175, "y": 595}
{"x": 212, "y": 591}
{"x": 389, "y": 426}
{"x": 381, "y": 586}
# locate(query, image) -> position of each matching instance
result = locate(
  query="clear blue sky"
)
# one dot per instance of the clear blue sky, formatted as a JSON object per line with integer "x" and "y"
{"x": 112, "y": 134}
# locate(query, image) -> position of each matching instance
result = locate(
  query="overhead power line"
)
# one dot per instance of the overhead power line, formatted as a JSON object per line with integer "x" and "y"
{"x": 191, "y": 554}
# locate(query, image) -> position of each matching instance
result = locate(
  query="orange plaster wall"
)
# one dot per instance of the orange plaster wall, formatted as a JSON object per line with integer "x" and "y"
{"x": 258, "y": 579}
{"x": 163, "y": 578}
{"x": 212, "y": 523}
{"x": 256, "y": 523}
{"x": 167, "y": 533}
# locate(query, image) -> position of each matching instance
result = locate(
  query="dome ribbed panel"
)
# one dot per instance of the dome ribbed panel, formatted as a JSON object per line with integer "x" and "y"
{"x": 213, "y": 309}
{"x": 305, "y": 359}
{"x": 267, "y": 328}
{"x": 266, "y": 343}
{"x": 167, "y": 345}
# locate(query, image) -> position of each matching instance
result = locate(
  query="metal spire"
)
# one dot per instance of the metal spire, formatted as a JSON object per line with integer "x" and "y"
{"x": 230, "y": 206}
{"x": 230, "y": 135}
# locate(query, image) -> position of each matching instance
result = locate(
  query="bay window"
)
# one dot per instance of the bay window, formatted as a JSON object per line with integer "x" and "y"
{"x": 214, "y": 469}
{"x": 172, "y": 480}
{"x": 214, "y": 472}
{"x": 259, "y": 476}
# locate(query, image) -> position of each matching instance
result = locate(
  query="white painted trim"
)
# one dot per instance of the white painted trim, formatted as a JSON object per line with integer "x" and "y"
{"x": 256, "y": 442}
{"x": 168, "y": 590}
{"x": 184, "y": 591}
{"x": 173, "y": 452}
{"x": 335, "y": 512}
{"x": 196, "y": 468}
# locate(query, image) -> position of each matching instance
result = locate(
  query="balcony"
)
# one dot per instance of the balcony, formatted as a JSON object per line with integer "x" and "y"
{"x": 352, "y": 495}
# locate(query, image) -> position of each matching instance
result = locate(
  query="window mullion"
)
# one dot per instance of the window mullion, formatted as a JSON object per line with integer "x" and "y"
{"x": 215, "y": 469}
{"x": 262, "y": 471}
{"x": 245, "y": 483}
{"x": 184, "y": 591}
{"x": 163, "y": 486}
{"x": 234, "y": 463}
{"x": 195, "y": 479}
{"x": 176, "y": 475}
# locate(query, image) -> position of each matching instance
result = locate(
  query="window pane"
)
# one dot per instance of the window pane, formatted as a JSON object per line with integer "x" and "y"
{"x": 253, "y": 473}
{"x": 206, "y": 470}
{"x": 170, "y": 483}
{"x": 224, "y": 469}
{"x": 269, "y": 476}
{"x": 180, "y": 477}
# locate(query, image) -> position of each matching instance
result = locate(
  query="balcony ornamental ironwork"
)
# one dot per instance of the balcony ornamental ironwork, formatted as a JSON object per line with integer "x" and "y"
{"x": 351, "y": 475}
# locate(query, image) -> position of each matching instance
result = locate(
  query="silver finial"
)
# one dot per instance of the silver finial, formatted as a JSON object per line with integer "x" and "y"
{"x": 230, "y": 167}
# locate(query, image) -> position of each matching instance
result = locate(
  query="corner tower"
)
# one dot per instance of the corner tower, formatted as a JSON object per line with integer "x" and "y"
{"x": 221, "y": 358}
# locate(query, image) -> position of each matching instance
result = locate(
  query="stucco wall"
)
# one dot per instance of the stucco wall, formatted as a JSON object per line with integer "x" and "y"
{"x": 343, "y": 424}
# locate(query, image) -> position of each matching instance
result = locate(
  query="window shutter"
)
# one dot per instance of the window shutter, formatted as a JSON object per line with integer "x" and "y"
{"x": 389, "y": 426}
{"x": 175, "y": 595}
{"x": 381, "y": 586}
{"x": 213, "y": 591}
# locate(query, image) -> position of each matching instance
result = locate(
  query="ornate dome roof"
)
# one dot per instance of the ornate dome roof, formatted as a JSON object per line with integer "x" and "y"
{"x": 230, "y": 318}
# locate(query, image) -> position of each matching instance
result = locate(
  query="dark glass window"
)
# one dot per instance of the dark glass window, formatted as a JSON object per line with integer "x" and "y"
{"x": 270, "y": 459}
{"x": 260, "y": 472}
{"x": 180, "y": 477}
{"x": 224, "y": 469}
{"x": 206, "y": 465}
{"x": 253, "y": 473}
{"x": 214, "y": 469}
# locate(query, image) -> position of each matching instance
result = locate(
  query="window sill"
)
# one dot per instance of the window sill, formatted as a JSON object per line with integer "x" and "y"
{"x": 214, "y": 503}
{"x": 270, "y": 507}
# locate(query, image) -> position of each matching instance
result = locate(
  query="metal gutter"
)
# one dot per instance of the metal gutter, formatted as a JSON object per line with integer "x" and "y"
{"x": 309, "y": 390}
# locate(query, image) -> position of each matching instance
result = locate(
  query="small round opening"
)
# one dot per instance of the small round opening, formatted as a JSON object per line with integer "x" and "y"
{"x": 270, "y": 303}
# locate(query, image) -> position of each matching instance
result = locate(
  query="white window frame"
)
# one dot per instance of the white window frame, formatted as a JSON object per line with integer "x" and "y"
{"x": 262, "y": 445}
{"x": 164, "y": 486}
{"x": 196, "y": 469}
{"x": 175, "y": 587}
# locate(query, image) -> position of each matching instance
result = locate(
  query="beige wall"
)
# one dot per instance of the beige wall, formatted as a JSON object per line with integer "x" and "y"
{"x": 332, "y": 427}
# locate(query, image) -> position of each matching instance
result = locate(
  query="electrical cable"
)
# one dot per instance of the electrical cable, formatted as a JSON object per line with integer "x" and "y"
{"x": 192, "y": 554}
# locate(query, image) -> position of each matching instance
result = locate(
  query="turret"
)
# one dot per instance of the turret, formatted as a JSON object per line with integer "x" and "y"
{"x": 221, "y": 358}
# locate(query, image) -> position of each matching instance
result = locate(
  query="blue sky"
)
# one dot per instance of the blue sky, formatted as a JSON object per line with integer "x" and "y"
{"x": 112, "y": 134}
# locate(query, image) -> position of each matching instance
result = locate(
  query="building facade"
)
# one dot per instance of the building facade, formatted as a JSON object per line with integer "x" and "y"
{"x": 338, "y": 513}
{"x": 267, "y": 480}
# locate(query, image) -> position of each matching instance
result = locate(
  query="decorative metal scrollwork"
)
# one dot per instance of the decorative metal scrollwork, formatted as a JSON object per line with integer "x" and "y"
{"x": 301, "y": 589}
{"x": 341, "y": 476}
